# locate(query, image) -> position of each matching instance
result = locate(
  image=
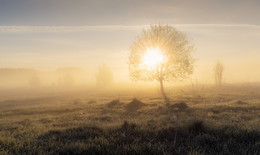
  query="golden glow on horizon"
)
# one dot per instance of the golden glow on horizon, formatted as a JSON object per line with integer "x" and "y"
{"x": 153, "y": 57}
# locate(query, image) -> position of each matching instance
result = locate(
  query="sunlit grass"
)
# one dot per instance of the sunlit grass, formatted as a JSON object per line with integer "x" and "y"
{"x": 219, "y": 122}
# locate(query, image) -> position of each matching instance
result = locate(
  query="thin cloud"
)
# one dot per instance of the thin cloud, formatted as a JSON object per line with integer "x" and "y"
{"x": 53, "y": 29}
{"x": 29, "y": 29}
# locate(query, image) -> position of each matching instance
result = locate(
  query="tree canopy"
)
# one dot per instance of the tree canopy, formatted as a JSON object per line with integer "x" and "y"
{"x": 161, "y": 53}
{"x": 174, "y": 46}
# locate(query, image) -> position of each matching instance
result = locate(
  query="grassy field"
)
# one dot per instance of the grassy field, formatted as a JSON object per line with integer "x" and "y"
{"x": 198, "y": 121}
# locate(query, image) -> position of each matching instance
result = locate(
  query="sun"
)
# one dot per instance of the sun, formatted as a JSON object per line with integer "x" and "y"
{"x": 153, "y": 57}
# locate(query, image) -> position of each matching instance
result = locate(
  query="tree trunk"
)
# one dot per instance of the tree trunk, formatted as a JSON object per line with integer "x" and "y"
{"x": 163, "y": 93}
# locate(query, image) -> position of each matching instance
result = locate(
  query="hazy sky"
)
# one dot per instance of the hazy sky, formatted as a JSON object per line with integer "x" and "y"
{"x": 47, "y": 34}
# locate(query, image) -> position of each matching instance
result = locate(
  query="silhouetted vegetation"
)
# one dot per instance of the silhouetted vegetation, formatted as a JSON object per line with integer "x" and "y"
{"x": 173, "y": 49}
{"x": 104, "y": 77}
{"x": 218, "y": 73}
{"x": 35, "y": 80}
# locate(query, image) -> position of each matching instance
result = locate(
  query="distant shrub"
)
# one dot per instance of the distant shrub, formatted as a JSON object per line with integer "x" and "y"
{"x": 35, "y": 80}
{"x": 104, "y": 77}
{"x": 218, "y": 73}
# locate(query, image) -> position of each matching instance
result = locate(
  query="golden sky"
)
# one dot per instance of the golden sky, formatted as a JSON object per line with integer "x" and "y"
{"x": 55, "y": 33}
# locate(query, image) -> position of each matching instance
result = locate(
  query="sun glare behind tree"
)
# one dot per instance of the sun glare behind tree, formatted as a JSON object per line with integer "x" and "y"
{"x": 161, "y": 53}
{"x": 153, "y": 58}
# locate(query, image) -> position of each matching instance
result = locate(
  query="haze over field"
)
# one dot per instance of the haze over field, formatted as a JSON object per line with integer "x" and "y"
{"x": 129, "y": 77}
{"x": 48, "y": 35}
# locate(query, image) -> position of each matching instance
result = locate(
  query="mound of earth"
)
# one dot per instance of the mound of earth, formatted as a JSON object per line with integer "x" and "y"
{"x": 179, "y": 106}
{"x": 134, "y": 105}
{"x": 92, "y": 102}
{"x": 113, "y": 103}
{"x": 240, "y": 102}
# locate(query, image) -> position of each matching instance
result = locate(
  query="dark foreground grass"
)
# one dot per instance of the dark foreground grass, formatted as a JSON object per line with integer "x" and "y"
{"x": 195, "y": 138}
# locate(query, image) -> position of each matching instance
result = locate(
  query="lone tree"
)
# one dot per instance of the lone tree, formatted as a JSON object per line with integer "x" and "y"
{"x": 161, "y": 53}
{"x": 218, "y": 73}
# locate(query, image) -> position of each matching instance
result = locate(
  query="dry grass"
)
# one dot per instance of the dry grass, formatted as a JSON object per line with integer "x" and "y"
{"x": 221, "y": 122}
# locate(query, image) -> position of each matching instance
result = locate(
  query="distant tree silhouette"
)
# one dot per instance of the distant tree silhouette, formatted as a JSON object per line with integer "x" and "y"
{"x": 218, "y": 73}
{"x": 67, "y": 76}
{"x": 175, "y": 48}
{"x": 104, "y": 76}
{"x": 68, "y": 79}
{"x": 35, "y": 81}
